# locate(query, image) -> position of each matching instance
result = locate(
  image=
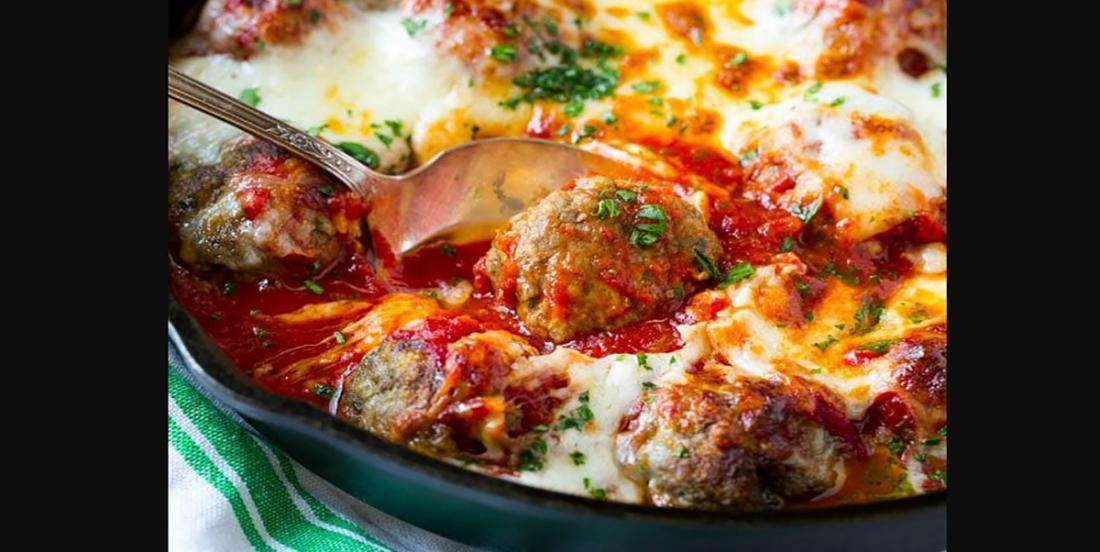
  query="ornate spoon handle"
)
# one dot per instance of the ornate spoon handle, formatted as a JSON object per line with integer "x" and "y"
{"x": 216, "y": 104}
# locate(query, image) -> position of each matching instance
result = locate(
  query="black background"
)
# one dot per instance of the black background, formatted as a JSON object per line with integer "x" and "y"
{"x": 88, "y": 272}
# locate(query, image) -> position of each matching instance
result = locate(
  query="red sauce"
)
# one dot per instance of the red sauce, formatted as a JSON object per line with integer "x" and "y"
{"x": 652, "y": 336}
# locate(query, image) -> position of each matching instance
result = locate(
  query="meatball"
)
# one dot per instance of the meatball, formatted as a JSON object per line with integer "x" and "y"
{"x": 742, "y": 444}
{"x": 245, "y": 28}
{"x": 598, "y": 254}
{"x": 438, "y": 386}
{"x": 528, "y": 34}
{"x": 258, "y": 209}
{"x": 916, "y": 404}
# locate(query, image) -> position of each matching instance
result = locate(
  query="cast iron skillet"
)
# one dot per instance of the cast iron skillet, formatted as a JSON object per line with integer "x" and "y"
{"x": 484, "y": 511}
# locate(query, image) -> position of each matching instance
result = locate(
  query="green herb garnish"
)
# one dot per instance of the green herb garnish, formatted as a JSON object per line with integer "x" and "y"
{"x": 312, "y": 286}
{"x": 360, "y": 153}
{"x": 503, "y": 52}
{"x": 250, "y": 96}
{"x": 412, "y": 26}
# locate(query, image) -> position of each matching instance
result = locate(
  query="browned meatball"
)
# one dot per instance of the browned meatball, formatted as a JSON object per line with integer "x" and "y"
{"x": 598, "y": 254}
{"x": 916, "y": 404}
{"x": 258, "y": 209}
{"x": 438, "y": 386}
{"x": 245, "y": 28}
{"x": 715, "y": 444}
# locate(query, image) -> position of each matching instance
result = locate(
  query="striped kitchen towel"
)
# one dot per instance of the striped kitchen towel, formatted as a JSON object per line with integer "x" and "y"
{"x": 229, "y": 489}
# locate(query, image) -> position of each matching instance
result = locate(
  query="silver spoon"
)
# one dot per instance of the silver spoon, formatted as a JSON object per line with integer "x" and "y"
{"x": 464, "y": 191}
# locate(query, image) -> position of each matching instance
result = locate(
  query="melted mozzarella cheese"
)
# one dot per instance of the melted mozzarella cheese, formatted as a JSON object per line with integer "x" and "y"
{"x": 613, "y": 384}
{"x": 888, "y": 172}
{"x": 347, "y": 81}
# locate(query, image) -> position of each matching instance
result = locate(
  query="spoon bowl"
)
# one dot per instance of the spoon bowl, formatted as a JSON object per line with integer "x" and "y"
{"x": 462, "y": 193}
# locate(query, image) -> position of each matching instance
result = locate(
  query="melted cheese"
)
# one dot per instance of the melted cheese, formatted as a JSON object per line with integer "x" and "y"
{"x": 613, "y": 384}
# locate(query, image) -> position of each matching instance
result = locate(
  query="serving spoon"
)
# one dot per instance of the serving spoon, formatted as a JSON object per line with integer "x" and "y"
{"x": 462, "y": 192}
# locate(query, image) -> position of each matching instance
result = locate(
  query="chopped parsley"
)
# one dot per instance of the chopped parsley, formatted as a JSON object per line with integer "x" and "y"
{"x": 312, "y": 286}
{"x": 931, "y": 442}
{"x": 681, "y": 59}
{"x": 755, "y": 104}
{"x": 837, "y": 102}
{"x": 843, "y": 191}
{"x": 598, "y": 494}
{"x": 532, "y": 458}
{"x": 339, "y": 337}
{"x": 576, "y": 419}
{"x": 643, "y": 15}
{"x": 645, "y": 87}
{"x": 250, "y": 96}
{"x": 786, "y": 245}
{"x": 412, "y": 26}
{"x": 937, "y": 89}
{"x": 822, "y": 345}
{"x": 539, "y": 446}
{"x": 447, "y": 249}
{"x": 896, "y": 446}
{"x": 610, "y": 118}
{"x": 258, "y": 331}
{"x": 811, "y": 92}
{"x": 325, "y": 190}
{"x": 806, "y": 213}
{"x": 739, "y": 59}
{"x": 920, "y": 457}
{"x": 655, "y": 101}
{"x": 550, "y": 25}
{"x": 683, "y": 452}
{"x": 578, "y": 458}
{"x": 653, "y": 212}
{"x": 649, "y": 385}
{"x": 706, "y": 264}
{"x": 540, "y": 428}
{"x": 878, "y": 347}
{"x": 868, "y": 315}
{"x": 322, "y": 390}
{"x": 505, "y": 53}
{"x": 646, "y": 234}
{"x": 642, "y": 361}
{"x": 360, "y": 153}
{"x": 228, "y": 288}
{"x": 574, "y": 108}
{"x": 626, "y": 195}
{"x": 737, "y": 272}
{"x": 386, "y": 140}
{"x": 586, "y": 131}
{"x": 938, "y": 476}
{"x": 568, "y": 81}
{"x": 317, "y": 130}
